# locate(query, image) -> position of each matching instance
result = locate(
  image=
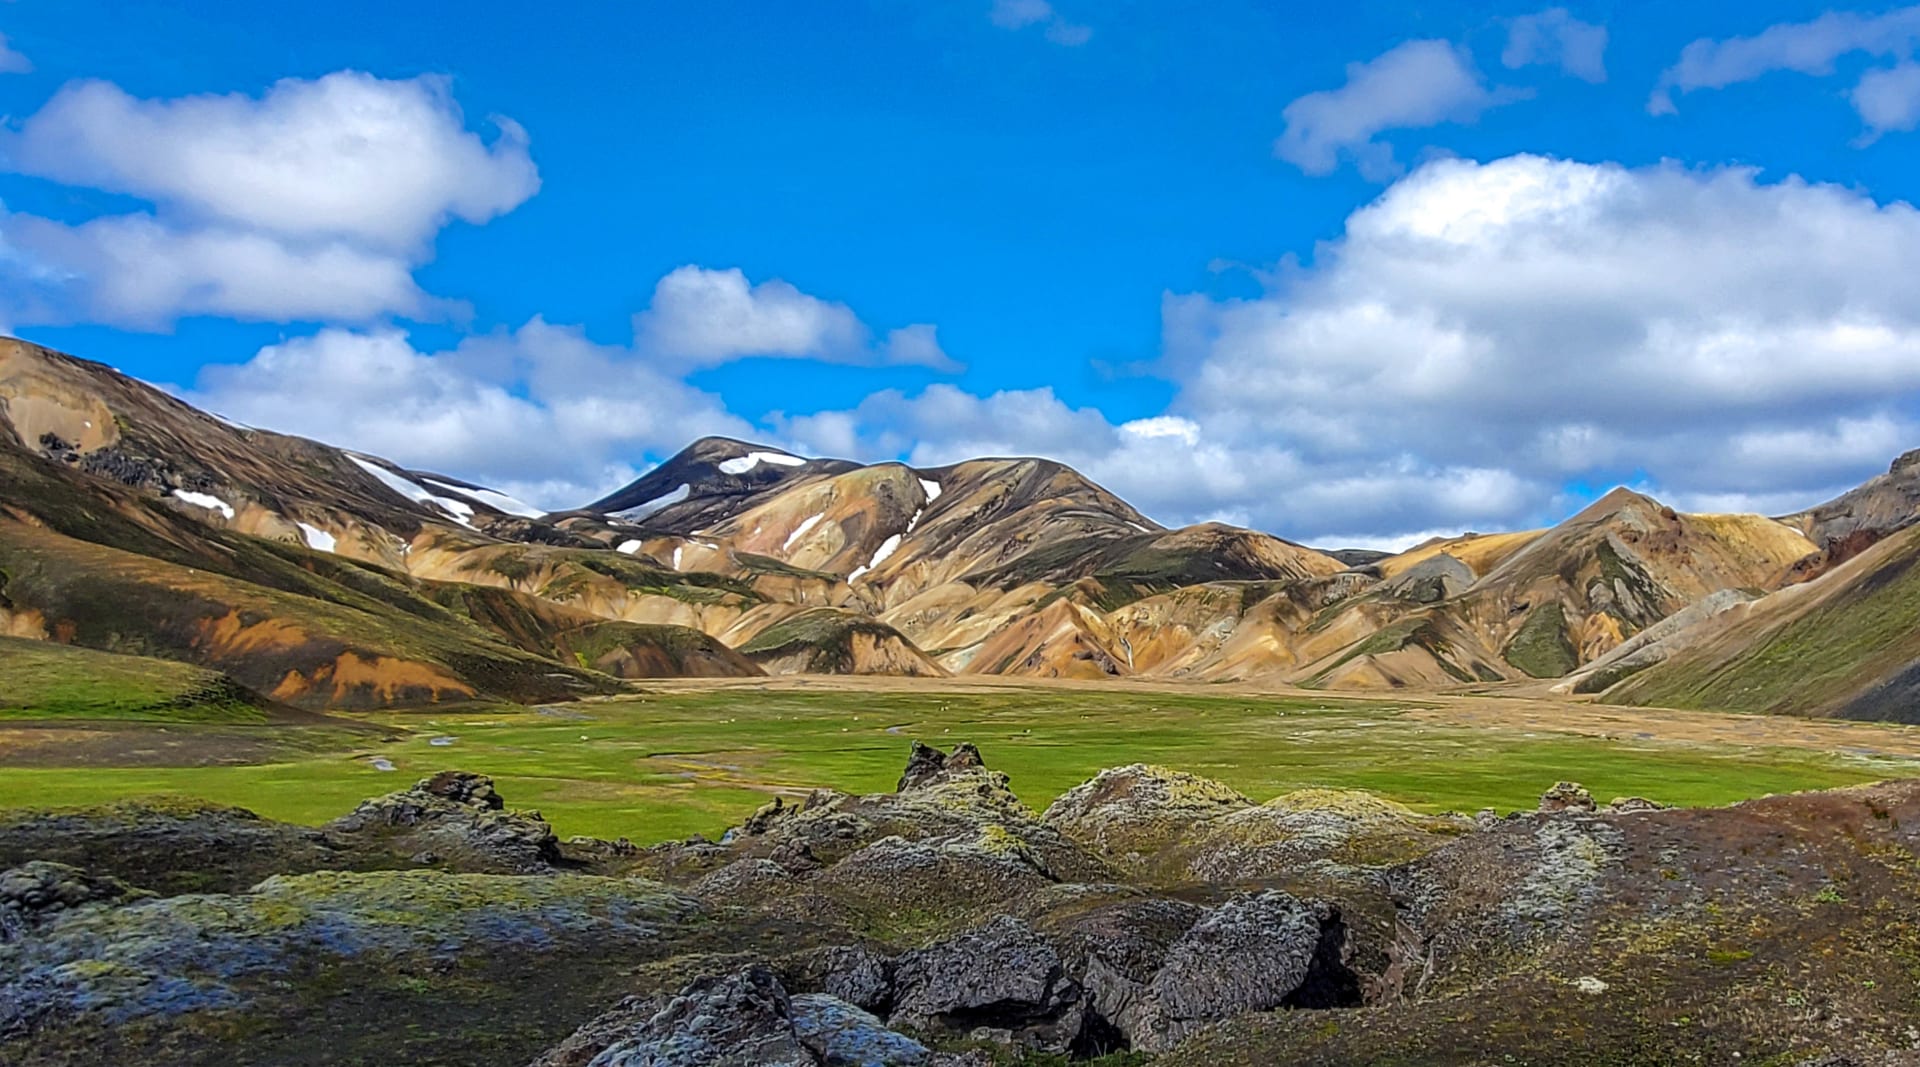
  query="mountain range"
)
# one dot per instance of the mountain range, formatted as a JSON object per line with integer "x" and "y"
{"x": 315, "y": 578}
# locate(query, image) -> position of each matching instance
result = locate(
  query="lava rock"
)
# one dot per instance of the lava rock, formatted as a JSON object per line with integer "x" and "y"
{"x": 1250, "y": 954}
{"x": 43, "y": 887}
{"x": 743, "y": 1019}
{"x": 459, "y": 816}
{"x": 1567, "y": 796}
{"x": 1000, "y": 976}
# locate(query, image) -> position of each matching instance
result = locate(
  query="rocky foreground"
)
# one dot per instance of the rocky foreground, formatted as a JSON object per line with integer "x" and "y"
{"x": 1147, "y": 916}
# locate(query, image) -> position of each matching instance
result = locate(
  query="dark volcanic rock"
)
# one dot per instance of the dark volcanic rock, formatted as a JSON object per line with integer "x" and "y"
{"x": 457, "y": 816}
{"x": 853, "y": 973}
{"x": 1248, "y": 955}
{"x": 42, "y": 888}
{"x": 1000, "y": 978}
{"x": 743, "y": 1019}
{"x": 171, "y": 846}
{"x": 1566, "y": 796}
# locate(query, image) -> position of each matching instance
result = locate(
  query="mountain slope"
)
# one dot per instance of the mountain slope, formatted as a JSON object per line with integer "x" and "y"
{"x": 320, "y": 578}
{"x": 1853, "y": 521}
{"x": 1845, "y": 644}
{"x": 107, "y": 541}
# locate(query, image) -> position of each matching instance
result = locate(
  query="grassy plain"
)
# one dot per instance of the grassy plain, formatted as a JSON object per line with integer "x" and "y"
{"x": 696, "y": 757}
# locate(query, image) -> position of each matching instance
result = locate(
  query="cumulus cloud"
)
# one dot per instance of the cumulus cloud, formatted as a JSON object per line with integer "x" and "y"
{"x": 386, "y": 163}
{"x": 1883, "y": 98}
{"x": 540, "y": 412}
{"x": 1021, "y": 14}
{"x": 1556, "y": 38}
{"x": 135, "y": 271}
{"x": 702, "y": 317}
{"x": 1483, "y": 340}
{"x": 918, "y": 345}
{"x": 1418, "y": 84}
{"x": 1889, "y": 100}
{"x": 339, "y": 182}
{"x": 11, "y": 61}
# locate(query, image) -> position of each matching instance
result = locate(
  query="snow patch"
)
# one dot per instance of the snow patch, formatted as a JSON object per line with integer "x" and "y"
{"x": 202, "y": 500}
{"x": 628, "y": 548}
{"x": 743, "y": 464}
{"x": 317, "y": 539}
{"x": 461, "y": 511}
{"x": 677, "y": 549}
{"x": 658, "y": 503}
{"x": 801, "y": 531}
{"x": 887, "y": 548}
{"x": 499, "y": 502}
{"x": 1139, "y": 527}
{"x": 932, "y": 489}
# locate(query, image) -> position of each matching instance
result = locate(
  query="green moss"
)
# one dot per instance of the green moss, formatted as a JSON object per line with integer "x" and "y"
{"x": 1541, "y": 648}
{"x": 1615, "y": 570}
{"x": 823, "y": 635}
{"x": 1863, "y": 635}
{"x": 44, "y": 680}
{"x": 757, "y": 564}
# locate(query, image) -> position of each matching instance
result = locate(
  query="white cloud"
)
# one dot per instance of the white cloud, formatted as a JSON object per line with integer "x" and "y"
{"x": 1483, "y": 338}
{"x": 1417, "y": 84}
{"x": 384, "y": 163}
{"x": 11, "y": 61}
{"x": 1555, "y": 37}
{"x": 134, "y": 271}
{"x": 1805, "y": 47}
{"x": 1889, "y": 99}
{"x": 540, "y": 413}
{"x": 704, "y": 317}
{"x": 1021, "y": 14}
{"x": 918, "y": 345}
{"x": 315, "y": 200}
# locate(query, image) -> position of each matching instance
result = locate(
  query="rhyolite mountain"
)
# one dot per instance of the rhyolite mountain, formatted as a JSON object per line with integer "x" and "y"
{"x": 317, "y": 577}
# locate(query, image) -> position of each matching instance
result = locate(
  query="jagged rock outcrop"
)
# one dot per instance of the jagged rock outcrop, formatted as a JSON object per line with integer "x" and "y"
{"x": 1567, "y": 796}
{"x": 1001, "y": 979}
{"x": 1250, "y": 954}
{"x": 907, "y": 927}
{"x": 41, "y": 888}
{"x": 743, "y": 1019}
{"x": 456, "y": 815}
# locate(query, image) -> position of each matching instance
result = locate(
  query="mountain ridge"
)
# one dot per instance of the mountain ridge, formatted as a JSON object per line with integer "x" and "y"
{"x": 1001, "y": 565}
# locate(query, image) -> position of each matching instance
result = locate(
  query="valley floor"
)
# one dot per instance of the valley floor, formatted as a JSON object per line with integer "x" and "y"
{"x": 697, "y": 756}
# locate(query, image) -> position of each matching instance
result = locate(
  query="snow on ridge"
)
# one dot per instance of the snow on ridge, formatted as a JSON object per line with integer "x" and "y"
{"x": 461, "y": 511}
{"x": 202, "y": 500}
{"x": 743, "y": 464}
{"x": 887, "y": 548}
{"x": 628, "y": 548}
{"x": 659, "y": 503}
{"x": 801, "y": 531}
{"x": 317, "y": 539}
{"x": 932, "y": 489}
{"x": 499, "y": 502}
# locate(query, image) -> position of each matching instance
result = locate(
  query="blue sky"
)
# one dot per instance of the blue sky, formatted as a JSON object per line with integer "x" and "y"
{"x": 1119, "y": 233}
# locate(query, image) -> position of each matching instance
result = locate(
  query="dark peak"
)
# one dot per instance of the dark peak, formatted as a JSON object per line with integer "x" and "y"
{"x": 711, "y": 448}
{"x": 926, "y": 764}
